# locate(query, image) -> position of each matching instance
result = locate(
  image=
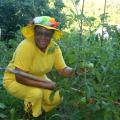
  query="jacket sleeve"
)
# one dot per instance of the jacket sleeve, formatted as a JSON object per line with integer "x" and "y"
{"x": 59, "y": 62}
{"x": 23, "y": 56}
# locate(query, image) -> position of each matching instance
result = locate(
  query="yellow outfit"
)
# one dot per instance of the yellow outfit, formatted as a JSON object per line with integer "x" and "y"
{"x": 30, "y": 59}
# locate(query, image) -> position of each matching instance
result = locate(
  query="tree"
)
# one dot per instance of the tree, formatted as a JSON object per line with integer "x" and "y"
{"x": 16, "y": 13}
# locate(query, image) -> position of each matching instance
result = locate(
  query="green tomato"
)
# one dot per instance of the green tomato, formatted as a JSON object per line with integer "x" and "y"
{"x": 87, "y": 65}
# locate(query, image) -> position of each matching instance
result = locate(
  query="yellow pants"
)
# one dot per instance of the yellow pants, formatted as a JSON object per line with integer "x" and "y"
{"x": 38, "y": 98}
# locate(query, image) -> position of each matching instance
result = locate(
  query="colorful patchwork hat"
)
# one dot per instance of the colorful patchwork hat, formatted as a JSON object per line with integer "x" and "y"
{"x": 44, "y": 21}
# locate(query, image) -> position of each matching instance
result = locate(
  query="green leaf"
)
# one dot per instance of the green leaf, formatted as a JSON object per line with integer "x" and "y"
{"x": 2, "y": 106}
{"x": 2, "y": 115}
{"x": 108, "y": 115}
{"x": 52, "y": 49}
{"x": 98, "y": 75}
{"x": 12, "y": 113}
{"x": 90, "y": 92}
{"x": 83, "y": 100}
{"x": 51, "y": 97}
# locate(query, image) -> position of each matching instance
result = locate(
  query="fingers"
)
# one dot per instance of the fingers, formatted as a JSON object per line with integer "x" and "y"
{"x": 52, "y": 85}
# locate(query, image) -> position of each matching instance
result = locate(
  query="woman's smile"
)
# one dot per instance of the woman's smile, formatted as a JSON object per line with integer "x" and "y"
{"x": 43, "y": 42}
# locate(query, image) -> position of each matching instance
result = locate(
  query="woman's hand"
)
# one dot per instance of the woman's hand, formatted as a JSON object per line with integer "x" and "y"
{"x": 66, "y": 72}
{"x": 69, "y": 72}
{"x": 51, "y": 85}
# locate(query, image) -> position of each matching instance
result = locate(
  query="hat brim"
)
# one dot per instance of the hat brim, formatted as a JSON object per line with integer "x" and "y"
{"x": 28, "y": 31}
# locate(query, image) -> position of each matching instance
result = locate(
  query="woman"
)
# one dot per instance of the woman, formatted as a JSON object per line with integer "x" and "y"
{"x": 36, "y": 55}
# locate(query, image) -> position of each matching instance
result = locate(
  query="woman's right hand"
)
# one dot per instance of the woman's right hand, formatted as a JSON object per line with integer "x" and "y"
{"x": 51, "y": 85}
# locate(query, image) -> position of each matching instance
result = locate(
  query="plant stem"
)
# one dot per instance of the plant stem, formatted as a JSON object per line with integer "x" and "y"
{"x": 104, "y": 14}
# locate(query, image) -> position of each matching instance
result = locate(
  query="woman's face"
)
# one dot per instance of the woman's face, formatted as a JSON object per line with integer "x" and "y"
{"x": 42, "y": 37}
